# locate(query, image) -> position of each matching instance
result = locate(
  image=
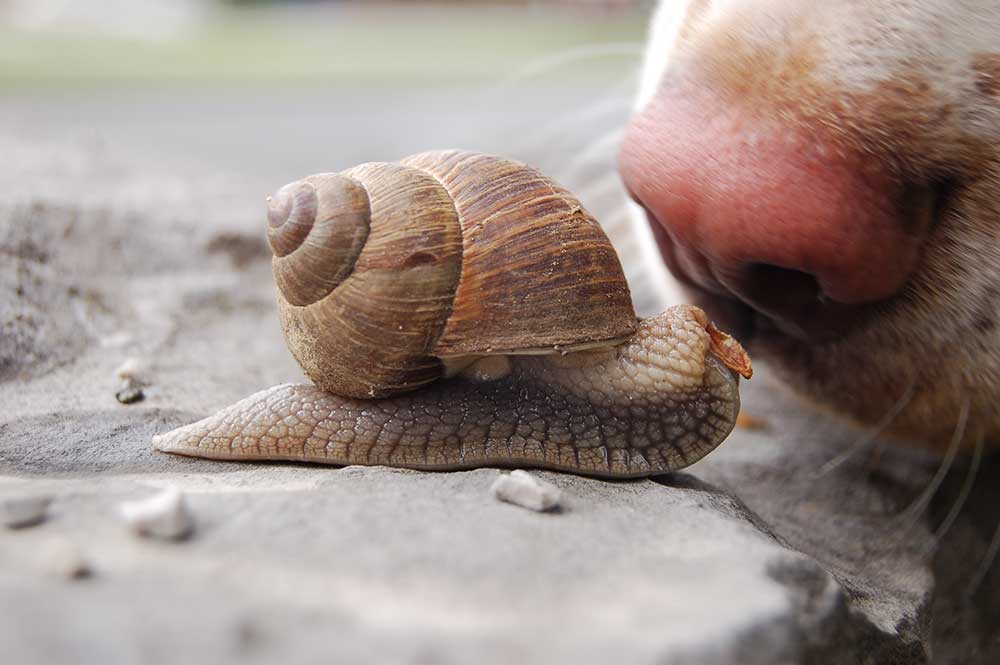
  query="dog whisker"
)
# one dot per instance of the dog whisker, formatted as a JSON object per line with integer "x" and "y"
{"x": 963, "y": 494}
{"x": 915, "y": 509}
{"x": 871, "y": 438}
{"x": 599, "y": 187}
{"x": 602, "y": 147}
{"x": 986, "y": 564}
{"x": 546, "y": 64}
{"x": 912, "y": 513}
{"x": 616, "y": 102}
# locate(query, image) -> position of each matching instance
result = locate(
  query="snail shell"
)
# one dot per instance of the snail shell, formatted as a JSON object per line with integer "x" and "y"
{"x": 393, "y": 275}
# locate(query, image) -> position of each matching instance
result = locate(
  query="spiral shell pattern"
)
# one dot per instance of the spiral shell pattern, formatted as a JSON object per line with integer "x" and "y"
{"x": 385, "y": 269}
{"x": 316, "y": 228}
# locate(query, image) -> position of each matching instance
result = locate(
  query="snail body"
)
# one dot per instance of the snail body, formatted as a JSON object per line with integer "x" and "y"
{"x": 456, "y": 310}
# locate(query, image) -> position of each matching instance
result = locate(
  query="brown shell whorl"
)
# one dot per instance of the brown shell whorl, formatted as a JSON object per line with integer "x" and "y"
{"x": 290, "y": 216}
{"x": 367, "y": 329}
{"x": 538, "y": 272}
{"x": 388, "y": 271}
{"x": 316, "y": 229}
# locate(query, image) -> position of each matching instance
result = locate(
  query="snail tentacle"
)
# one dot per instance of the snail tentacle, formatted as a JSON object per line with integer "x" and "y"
{"x": 660, "y": 402}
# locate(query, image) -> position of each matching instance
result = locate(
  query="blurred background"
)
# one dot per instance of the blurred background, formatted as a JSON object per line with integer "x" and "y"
{"x": 120, "y": 102}
{"x": 270, "y": 91}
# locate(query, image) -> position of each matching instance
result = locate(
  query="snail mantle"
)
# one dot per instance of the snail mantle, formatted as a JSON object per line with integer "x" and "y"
{"x": 456, "y": 310}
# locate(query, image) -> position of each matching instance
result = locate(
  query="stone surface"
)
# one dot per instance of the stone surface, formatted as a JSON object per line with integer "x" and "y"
{"x": 755, "y": 555}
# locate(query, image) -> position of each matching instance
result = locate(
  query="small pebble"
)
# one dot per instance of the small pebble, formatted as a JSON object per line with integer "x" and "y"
{"x": 130, "y": 392}
{"x": 134, "y": 376}
{"x": 22, "y": 511}
{"x": 165, "y": 515}
{"x": 523, "y": 489}
{"x": 133, "y": 368}
{"x": 64, "y": 559}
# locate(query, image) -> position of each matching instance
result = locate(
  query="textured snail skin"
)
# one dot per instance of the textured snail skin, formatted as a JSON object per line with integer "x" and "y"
{"x": 657, "y": 403}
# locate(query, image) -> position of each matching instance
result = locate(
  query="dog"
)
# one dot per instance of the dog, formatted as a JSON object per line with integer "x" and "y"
{"x": 825, "y": 179}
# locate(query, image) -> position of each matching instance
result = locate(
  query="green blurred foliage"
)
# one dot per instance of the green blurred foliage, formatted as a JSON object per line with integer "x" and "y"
{"x": 349, "y": 43}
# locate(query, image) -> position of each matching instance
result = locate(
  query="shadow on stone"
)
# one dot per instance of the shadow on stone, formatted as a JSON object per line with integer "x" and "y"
{"x": 718, "y": 499}
{"x": 967, "y": 571}
{"x": 95, "y": 442}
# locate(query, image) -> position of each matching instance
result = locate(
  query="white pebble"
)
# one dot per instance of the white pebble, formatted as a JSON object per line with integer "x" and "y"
{"x": 21, "y": 511}
{"x": 164, "y": 515}
{"x": 133, "y": 369}
{"x": 63, "y": 559}
{"x": 523, "y": 489}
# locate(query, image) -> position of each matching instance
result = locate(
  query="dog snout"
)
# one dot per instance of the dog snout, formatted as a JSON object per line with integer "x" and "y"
{"x": 745, "y": 204}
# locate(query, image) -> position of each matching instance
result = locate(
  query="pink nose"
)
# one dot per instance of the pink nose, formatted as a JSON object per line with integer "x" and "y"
{"x": 772, "y": 211}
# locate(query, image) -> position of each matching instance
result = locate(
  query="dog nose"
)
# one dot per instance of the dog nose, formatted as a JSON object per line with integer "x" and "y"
{"x": 773, "y": 211}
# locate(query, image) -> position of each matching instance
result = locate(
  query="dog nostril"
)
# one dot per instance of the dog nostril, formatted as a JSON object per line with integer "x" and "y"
{"x": 764, "y": 285}
{"x": 942, "y": 194}
{"x": 790, "y": 300}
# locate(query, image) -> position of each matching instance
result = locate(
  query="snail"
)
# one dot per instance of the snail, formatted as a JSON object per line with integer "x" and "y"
{"x": 456, "y": 310}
